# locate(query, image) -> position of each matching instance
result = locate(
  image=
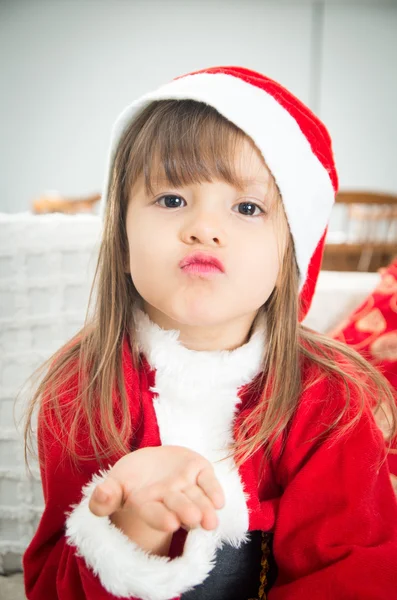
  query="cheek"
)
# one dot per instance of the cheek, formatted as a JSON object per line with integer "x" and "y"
{"x": 262, "y": 261}
{"x": 136, "y": 247}
{"x": 258, "y": 269}
{"x": 147, "y": 254}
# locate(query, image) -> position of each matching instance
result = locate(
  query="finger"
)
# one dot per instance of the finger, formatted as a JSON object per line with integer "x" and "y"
{"x": 106, "y": 498}
{"x": 135, "y": 498}
{"x": 147, "y": 503}
{"x": 199, "y": 498}
{"x": 208, "y": 482}
{"x": 158, "y": 516}
{"x": 187, "y": 511}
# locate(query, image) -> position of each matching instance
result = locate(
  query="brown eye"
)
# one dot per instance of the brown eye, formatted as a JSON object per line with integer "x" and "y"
{"x": 170, "y": 201}
{"x": 248, "y": 209}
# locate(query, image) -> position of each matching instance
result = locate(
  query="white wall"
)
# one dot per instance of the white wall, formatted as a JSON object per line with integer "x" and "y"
{"x": 70, "y": 66}
{"x": 358, "y": 93}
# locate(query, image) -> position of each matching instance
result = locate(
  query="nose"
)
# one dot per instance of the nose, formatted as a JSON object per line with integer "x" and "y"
{"x": 204, "y": 227}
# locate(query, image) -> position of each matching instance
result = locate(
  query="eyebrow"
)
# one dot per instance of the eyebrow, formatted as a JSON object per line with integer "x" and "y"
{"x": 246, "y": 182}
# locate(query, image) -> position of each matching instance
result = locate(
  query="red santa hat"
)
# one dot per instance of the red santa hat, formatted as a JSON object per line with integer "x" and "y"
{"x": 293, "y": 141}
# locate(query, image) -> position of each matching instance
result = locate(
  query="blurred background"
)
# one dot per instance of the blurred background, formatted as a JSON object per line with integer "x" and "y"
{"x": 68, "y": 67}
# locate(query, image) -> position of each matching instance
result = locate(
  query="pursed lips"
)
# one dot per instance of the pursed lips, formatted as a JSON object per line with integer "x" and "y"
{"x": 200, "y": 261}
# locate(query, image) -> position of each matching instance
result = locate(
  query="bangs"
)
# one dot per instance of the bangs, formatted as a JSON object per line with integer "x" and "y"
{"x": 182, "y": 142}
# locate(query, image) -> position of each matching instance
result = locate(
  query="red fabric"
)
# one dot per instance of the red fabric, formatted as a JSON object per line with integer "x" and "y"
{"x": 330, "y": 505}
{"x": 307, "y": 293}
{"x": 372, "y": 330}
{"x": 335, "y": 533}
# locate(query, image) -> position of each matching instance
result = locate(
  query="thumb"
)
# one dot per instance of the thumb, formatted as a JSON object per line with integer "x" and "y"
{"x": 106, "y": 498}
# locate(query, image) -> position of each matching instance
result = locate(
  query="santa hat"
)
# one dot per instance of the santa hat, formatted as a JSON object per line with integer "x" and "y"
{"x": 293, "y": 141}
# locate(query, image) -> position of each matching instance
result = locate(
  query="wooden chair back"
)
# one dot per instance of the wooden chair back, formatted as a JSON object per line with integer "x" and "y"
{"x": 369, "y": 237}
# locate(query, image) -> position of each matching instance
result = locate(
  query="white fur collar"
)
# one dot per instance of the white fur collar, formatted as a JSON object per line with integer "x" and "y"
{"x": 219, "y": 369}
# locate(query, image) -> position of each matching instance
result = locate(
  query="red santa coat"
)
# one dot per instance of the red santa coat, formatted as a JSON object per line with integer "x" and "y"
{"x": 329, "y": 504}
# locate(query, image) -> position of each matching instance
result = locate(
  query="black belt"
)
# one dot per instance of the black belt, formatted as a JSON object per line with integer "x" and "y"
{"x": 243, "y": 573}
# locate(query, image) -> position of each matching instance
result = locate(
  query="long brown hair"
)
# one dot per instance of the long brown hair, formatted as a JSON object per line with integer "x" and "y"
{"x": 193, "y": 143}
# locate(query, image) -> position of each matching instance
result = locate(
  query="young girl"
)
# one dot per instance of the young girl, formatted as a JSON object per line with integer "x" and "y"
{"x": 195, "y": 440}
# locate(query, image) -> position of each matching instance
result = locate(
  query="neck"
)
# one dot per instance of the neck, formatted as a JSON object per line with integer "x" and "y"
{"x": 223, "y": 336}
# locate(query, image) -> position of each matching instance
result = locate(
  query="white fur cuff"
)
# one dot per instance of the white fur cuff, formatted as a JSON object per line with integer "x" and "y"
{"x": 124, "y": 568}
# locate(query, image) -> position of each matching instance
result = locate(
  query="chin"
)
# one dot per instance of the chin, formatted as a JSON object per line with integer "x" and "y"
{"x": 194, "y": 319}
{"x": 196, "y": 316}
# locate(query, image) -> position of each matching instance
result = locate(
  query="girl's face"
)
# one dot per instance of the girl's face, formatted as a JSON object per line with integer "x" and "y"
{"x": 238, "y": 227}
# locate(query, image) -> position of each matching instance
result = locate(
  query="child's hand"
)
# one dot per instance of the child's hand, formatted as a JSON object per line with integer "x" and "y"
{"x": 166, "y": 487}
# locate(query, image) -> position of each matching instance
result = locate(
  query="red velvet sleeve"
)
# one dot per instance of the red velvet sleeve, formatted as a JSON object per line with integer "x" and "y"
{"x": 336, "y": 529}
{"x": 75, "y": 555}
{"x": 52, "y": 568}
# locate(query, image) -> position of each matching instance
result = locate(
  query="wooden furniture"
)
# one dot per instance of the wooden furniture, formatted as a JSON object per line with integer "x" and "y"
{"x": 51, "y": 203}
{"x": 369, "y": 238}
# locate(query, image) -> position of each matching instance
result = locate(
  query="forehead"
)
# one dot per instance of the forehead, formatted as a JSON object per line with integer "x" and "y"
{"x": 247, "y": 165}
{"x": 250, "y": 166}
